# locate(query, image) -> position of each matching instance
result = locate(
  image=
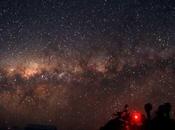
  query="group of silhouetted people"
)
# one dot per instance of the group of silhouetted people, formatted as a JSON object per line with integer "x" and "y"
{"x": 129, "y": 120}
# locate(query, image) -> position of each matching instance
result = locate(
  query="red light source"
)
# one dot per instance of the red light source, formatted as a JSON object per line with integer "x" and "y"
{"x": 136, "y": 118}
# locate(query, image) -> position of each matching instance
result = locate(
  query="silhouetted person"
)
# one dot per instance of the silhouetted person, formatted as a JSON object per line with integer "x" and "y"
{"x": 147, "y": 123}
{"x": 126, "y": 107}
{"x": 148, "y": 108}
{"x": 125, "y": 113}
{"x": 162, "y": 120}
{"x": 167, "y": 110}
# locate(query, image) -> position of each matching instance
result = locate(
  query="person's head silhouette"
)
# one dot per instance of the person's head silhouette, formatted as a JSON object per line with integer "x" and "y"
{"x": 148, "y": 108}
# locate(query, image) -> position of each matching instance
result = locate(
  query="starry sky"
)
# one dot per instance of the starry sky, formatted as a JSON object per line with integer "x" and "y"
{"x": 72, "y": 63}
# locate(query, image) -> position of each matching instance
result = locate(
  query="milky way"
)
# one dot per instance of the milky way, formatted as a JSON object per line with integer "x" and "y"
{"x": 74, "y": 63}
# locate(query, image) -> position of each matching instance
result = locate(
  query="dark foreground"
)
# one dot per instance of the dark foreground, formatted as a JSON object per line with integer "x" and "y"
{"x": 126, "y": 120}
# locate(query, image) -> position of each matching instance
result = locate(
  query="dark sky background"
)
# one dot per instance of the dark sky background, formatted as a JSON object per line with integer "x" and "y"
{"x": 72, "y": 63}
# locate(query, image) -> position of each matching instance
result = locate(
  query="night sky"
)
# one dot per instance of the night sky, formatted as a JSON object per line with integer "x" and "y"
{"x": 73, "y": 63}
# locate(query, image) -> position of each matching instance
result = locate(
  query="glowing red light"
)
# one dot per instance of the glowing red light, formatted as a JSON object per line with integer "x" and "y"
{"x": 136, "y": 118}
